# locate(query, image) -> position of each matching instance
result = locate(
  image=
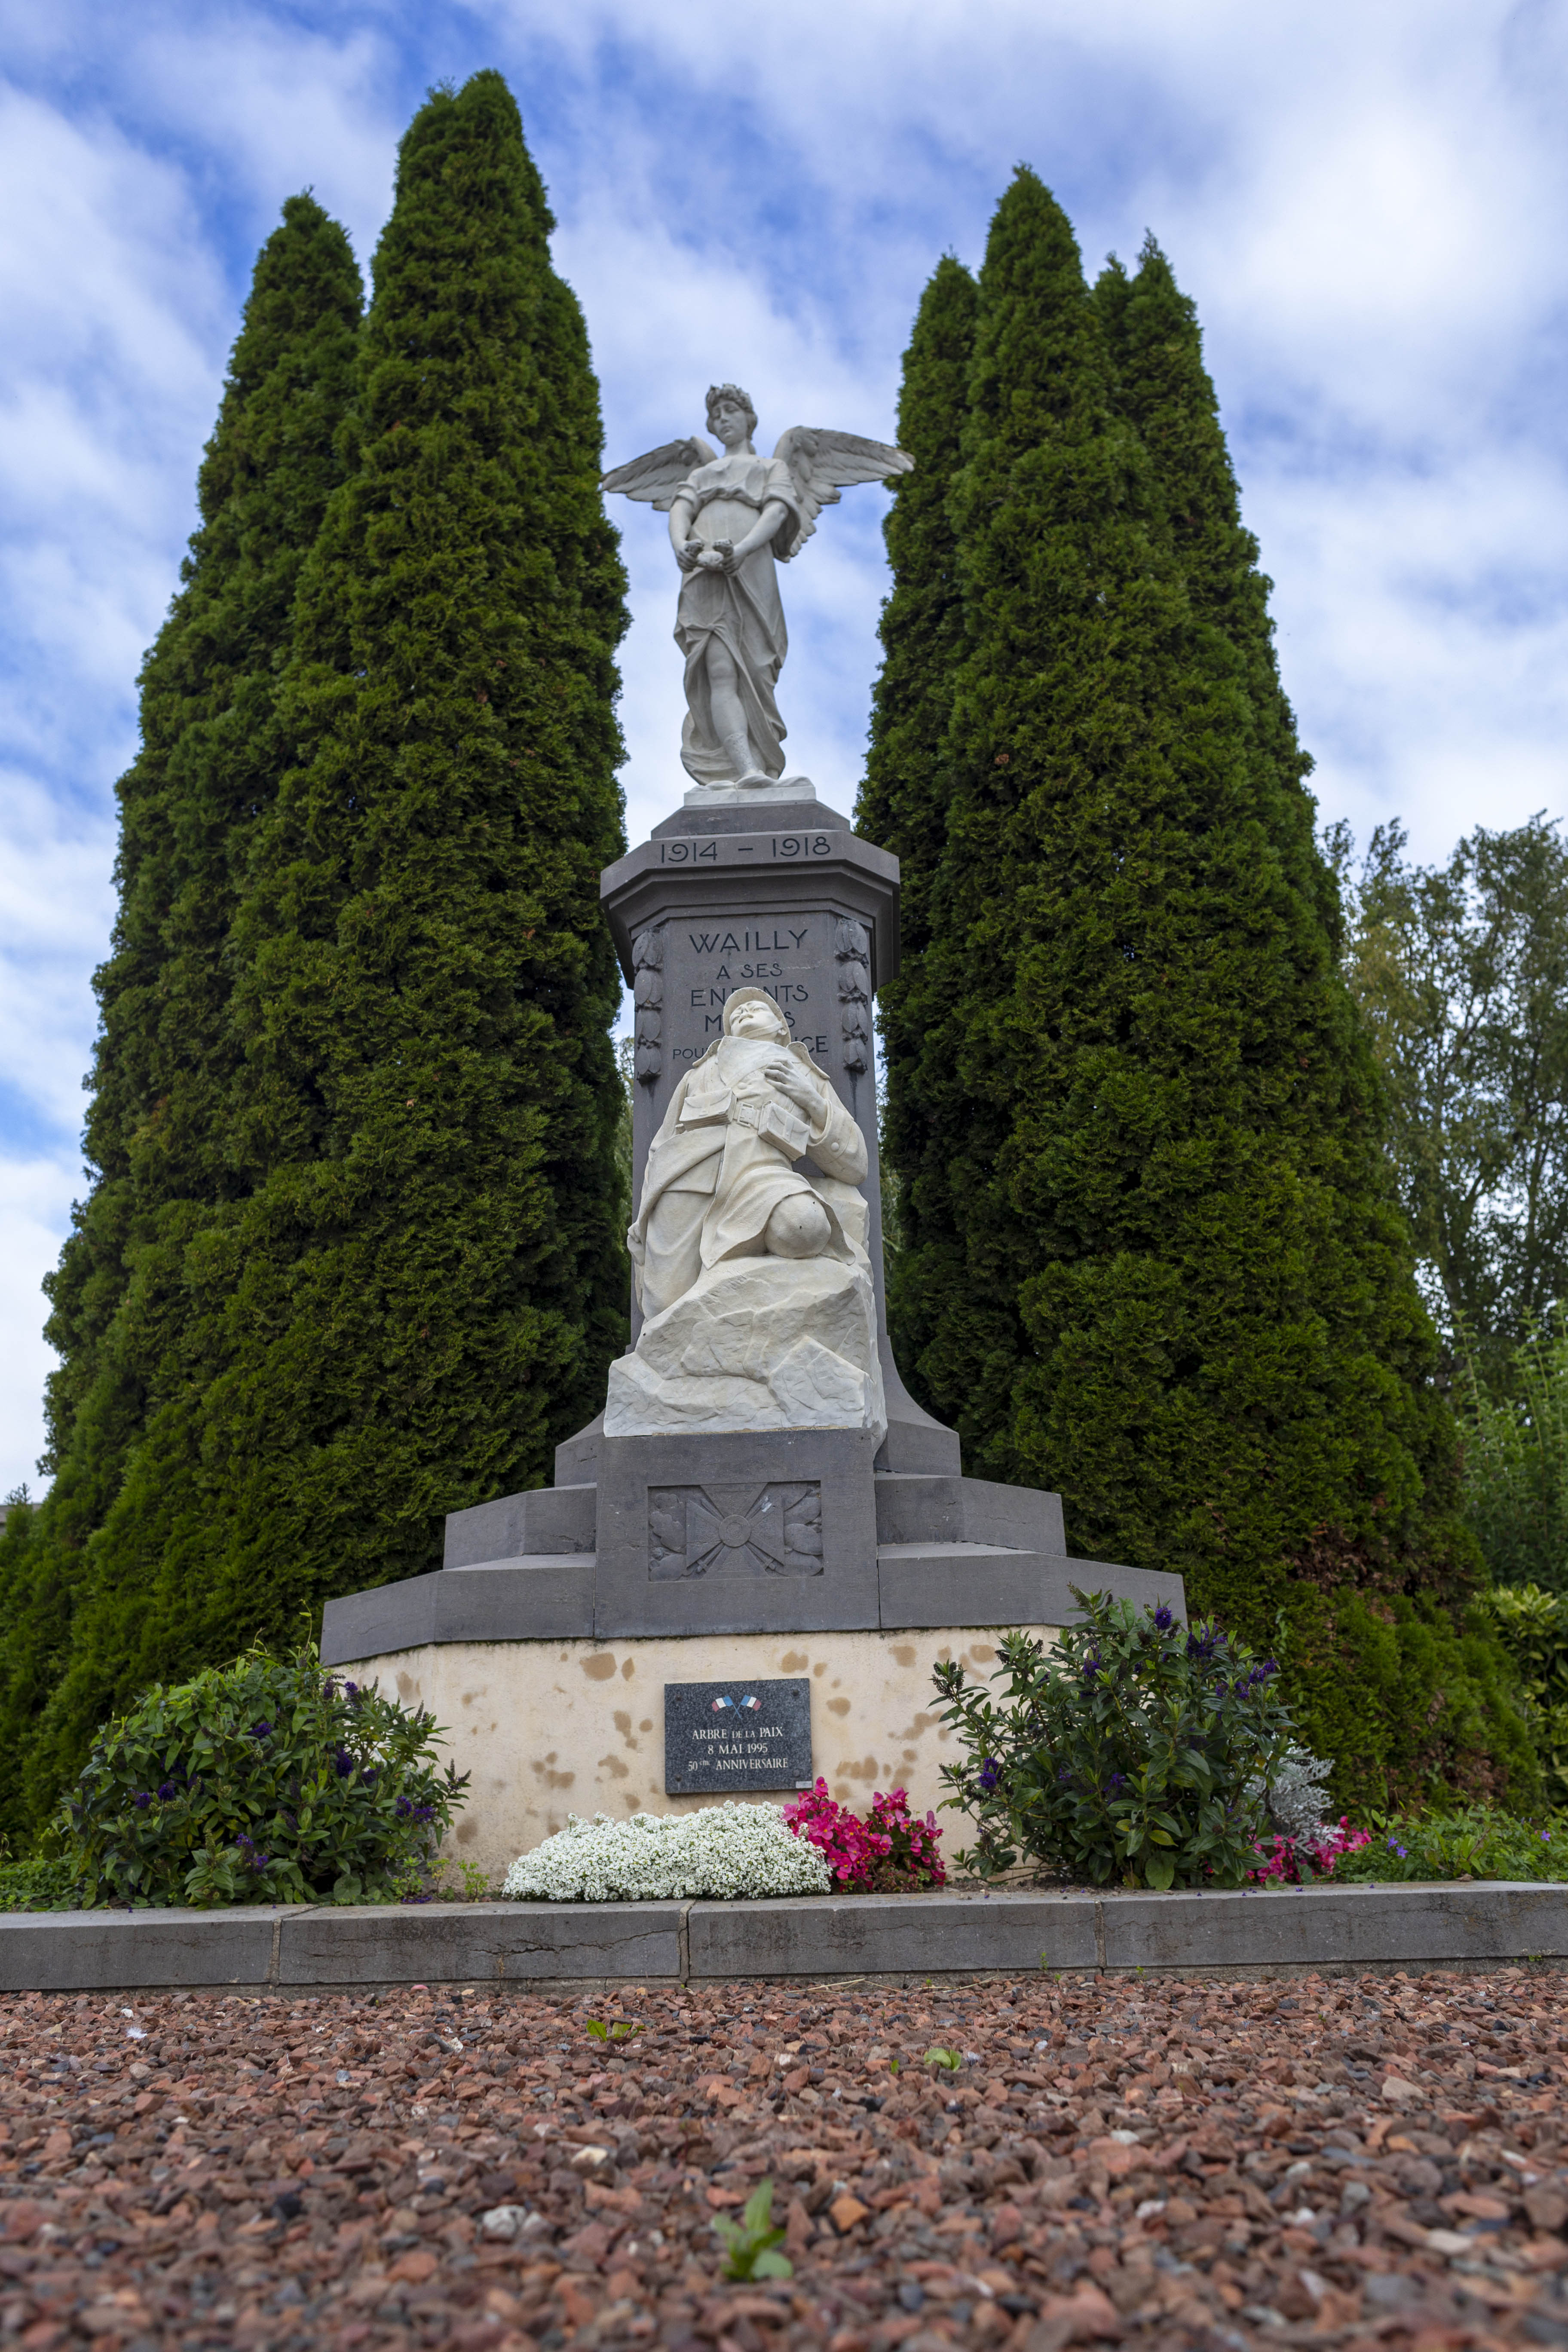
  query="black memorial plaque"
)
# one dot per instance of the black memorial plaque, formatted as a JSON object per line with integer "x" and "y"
{"x": 726, "y": 1737}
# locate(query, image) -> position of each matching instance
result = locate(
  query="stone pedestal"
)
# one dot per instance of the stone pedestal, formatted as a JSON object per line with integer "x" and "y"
{"x": 737, "y": 1533}
{"x": 687, "y": 1548}
{"x": 546, "y": 1637}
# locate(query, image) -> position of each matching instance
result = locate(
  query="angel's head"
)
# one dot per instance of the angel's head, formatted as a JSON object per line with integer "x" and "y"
{"x": 730, "y": 414}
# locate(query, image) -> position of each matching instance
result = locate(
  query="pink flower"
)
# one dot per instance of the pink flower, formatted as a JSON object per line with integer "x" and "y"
{"x": 854, "y": 1849}
{"x": 1282, "y": 1866}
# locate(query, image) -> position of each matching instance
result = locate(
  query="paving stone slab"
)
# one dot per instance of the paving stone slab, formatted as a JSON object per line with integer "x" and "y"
{"x": 471, "y": 1942}
{"x": 839, "y": 1935}
{"x": 1337, "y": 1926}
{"x": 96, "y": 1951}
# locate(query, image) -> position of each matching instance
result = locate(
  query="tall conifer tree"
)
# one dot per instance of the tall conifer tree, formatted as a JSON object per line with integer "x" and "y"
{"x": 1164, "y": 389}
{"x": 421, "y": 1287}
{"x": 207, "y": 768}
{"x": 903, "y": 802}
{"x": 904, "y": 799}
{"x": 1161, "y": 1268}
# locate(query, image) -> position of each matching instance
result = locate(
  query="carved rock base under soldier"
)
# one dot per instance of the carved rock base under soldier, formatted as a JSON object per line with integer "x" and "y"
{"x": 756, "y": 1343}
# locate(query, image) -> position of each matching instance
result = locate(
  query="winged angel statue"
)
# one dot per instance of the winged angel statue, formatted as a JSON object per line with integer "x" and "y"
{"x": 732, "y": 519}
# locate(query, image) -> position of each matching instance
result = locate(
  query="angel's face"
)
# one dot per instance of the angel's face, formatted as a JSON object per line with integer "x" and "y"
{"x": 731, "y": 423}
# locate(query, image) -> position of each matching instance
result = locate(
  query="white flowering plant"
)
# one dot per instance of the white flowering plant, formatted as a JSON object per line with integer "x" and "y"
{"x": 724, "y": 1854}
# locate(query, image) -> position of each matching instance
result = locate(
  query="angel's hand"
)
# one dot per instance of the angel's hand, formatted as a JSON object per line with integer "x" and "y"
{"x": 688, "y": 553}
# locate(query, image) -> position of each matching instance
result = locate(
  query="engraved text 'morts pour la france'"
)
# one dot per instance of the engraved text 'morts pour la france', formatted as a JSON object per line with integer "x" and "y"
{"x": 725, "y": 1738}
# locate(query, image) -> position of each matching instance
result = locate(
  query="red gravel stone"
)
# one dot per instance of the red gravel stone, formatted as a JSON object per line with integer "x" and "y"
{"x": 1375, "y": 2163}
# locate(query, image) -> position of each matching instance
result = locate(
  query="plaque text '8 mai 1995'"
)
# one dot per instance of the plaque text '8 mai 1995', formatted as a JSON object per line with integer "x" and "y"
{"x": 725, "y": 1738}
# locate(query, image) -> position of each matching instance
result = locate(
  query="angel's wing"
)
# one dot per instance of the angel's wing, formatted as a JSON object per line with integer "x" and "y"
{"x": 656, "y": 479}
{"x": 823, "y": 463}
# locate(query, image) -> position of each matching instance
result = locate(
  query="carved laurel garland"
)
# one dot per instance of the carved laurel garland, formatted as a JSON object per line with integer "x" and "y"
{"x": 852, "y": 947}
{"x": 647, "y": 960}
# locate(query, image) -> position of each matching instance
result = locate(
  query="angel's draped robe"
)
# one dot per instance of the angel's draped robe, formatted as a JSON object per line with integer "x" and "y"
{"x": 723, "y": 1159}
{"x": 741, "y": 609}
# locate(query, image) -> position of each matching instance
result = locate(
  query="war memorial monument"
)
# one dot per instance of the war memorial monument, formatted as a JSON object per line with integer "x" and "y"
{"x": 751, "y": 1559}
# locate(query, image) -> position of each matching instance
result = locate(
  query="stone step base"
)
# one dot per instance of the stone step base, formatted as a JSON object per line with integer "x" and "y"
{"x": 551, "y": 1596}
{"x": 910, "y": 1507}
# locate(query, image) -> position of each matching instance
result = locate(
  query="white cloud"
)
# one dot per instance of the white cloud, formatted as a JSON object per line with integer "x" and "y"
{"x": 1365, "y": 206}
{"x": 1367, "y": 216}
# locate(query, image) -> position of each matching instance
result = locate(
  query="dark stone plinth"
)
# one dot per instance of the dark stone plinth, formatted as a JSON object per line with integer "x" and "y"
{"x": 736, "y": 1533}
{"x": 725, "y": 1738}
{"x": 720, "y": 1535}
{"x": 789, "y": 899}
{"x": 526, "y": 1599}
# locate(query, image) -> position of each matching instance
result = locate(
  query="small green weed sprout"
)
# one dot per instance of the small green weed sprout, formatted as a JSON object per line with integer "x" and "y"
{"x": 432, "y": 1884}
{"x": 619, "y": 2029}
{"x": 950, "y": 2060}
{"x": 751, "y": 2240}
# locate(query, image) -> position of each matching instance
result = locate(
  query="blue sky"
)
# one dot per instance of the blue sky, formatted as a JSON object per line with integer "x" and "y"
{"x": 1368, "y": 205}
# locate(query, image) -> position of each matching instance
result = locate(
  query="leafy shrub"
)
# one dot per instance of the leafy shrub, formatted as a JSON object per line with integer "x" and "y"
{"x": 1136, "y": 1749}
{"x": 724, "y": 1853}
{"x": 1476, "y": 1841}
{"x": 892, "y": 1851}
{"x": 1534, "y": 1626}
{"x": 266, "y": 1781}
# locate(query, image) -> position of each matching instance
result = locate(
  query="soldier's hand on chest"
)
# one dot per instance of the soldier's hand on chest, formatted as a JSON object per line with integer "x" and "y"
{"x": 791, "y": 1079}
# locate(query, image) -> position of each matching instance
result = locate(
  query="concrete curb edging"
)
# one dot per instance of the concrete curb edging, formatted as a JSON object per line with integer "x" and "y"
{"x": 538, "y": 1944}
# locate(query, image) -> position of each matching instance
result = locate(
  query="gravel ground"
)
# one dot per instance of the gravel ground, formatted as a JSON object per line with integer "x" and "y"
{"x": 1367, "y": 2162}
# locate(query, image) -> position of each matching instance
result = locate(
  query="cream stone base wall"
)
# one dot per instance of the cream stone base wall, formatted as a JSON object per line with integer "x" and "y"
{"x": 549, "y": 1728}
